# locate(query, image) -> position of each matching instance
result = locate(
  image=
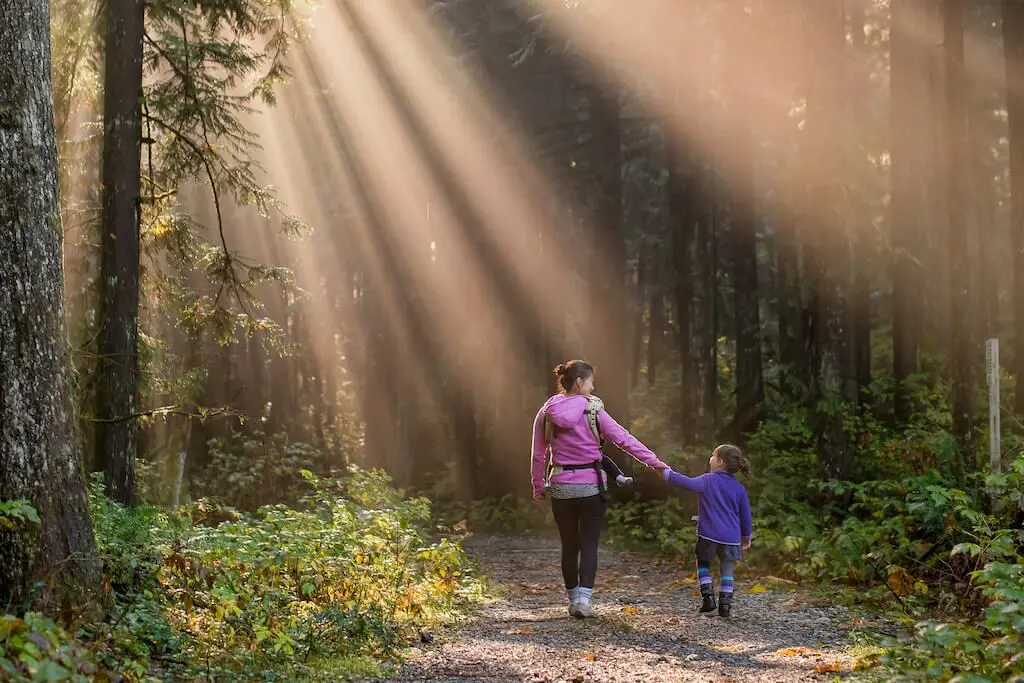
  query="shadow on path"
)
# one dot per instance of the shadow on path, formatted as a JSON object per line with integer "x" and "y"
{"x": 649, "y": 630}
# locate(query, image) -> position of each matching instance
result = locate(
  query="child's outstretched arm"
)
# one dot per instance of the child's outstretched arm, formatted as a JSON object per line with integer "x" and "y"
{"x": 746, "y": 521}
{"x": 683, "y": 481}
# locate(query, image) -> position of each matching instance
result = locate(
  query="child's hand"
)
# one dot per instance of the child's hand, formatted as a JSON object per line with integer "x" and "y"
{"x": 745, "y": 544}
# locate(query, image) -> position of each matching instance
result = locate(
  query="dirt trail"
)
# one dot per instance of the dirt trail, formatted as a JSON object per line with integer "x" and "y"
{"x": 648, "y": 630}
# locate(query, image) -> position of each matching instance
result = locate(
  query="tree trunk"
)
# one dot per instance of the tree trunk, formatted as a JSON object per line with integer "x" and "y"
{"x": 707, "y": 245}
{"x": 907, "y": 148}
{"x": 608, "y": 336}
{"x": 39, "y": 461}
{"x": 683, "y": 215}
{"x": 826, "y": 238}
{"x": 787, "y": 277}
{"x": 860, "y": 303}
{"x": 743, "y": 234}
{"x": 957, "y": 194}
{"x": 656, "y": 318}
{"x": 639, "y": 304}
{"x": 254, "y": 400}
{"x": 117, "y": 393}
{"x": 466, "y": 445}
{"x": 1013, "y": 49}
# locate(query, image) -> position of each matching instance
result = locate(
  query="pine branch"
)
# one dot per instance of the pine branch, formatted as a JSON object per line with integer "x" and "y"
{"x": 167, "y": 410}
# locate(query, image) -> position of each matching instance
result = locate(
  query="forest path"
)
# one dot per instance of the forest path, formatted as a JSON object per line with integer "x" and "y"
{"x": 648, "y": 628}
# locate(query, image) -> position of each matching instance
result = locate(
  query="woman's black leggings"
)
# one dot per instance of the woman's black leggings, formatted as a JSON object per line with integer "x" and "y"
{"x": 579, "y": 521}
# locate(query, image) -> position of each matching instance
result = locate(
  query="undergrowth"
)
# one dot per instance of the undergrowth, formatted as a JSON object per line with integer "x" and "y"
{"x": 333, "y": 587}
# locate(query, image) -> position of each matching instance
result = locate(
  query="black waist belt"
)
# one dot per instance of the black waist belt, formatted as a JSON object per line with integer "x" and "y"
{"x": 602, "y": 488}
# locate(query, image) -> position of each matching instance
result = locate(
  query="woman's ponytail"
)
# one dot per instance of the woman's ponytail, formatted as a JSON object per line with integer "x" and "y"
{"x": 567, "y": 373}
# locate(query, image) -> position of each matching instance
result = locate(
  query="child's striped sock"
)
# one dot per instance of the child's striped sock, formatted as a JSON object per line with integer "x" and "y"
{"x": 726, "y": 584}
{"x": 704, "y": 577}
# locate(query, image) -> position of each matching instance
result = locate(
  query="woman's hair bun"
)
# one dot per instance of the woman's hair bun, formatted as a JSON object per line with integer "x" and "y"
{"x": 561, "y": 369}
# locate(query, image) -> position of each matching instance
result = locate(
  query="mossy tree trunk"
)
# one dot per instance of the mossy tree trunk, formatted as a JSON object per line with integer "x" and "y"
{"x": 39, "y": 459}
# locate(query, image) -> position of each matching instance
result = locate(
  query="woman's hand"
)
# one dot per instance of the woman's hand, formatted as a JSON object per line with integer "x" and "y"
{"x": 745, "y": 543}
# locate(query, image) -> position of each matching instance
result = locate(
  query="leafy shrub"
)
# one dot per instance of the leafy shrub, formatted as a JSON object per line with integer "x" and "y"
{"x": 332, "y": 586}
{"x": 252, "y": 469}
{"x": 987, "y": 652}
{"x": 507, "y": 514}
{"x": 335, "y": 578}
{"x": 34, "y": 648}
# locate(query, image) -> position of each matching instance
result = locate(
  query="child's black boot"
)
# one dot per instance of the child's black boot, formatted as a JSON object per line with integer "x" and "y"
{"x": 707, "y": 591}
{"x": 724, "y": 604}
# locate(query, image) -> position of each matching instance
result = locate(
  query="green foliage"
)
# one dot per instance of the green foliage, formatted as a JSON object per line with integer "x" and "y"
{"x": 333, "y": 579}
{"x": 905, "y": 531}
{"x": 498, "y": 515}
{"x": 15, "y": 514}
{"x": 329, "y": 588}
{"x": 990, "y": 651}
{"x": 249, "y": 470}
{"x": 666, "y": 525}
{"x": 35, "y": 648}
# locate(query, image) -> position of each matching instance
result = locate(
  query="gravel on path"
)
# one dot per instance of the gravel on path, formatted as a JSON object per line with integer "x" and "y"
{"x": 648, "y": 628}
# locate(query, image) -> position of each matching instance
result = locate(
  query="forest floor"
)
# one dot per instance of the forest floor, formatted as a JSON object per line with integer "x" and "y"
{"x": 648, "y": 628}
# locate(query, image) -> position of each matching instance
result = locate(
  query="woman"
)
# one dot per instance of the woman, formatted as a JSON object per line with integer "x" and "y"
{"x": 577, "y": 481}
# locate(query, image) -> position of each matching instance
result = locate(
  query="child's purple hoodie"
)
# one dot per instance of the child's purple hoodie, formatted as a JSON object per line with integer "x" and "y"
{"x": 723, "y": 508}
{"x": 574, "y": 443}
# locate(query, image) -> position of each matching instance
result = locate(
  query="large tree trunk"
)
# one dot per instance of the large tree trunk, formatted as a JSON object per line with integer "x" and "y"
{"x": 38, "y": 447}
{"x": 1013, "y": 48}
{"x": 957, "y": 170}
{"x": 826, "y": 235}
{"x": 118, "y": 373}
{"x": 908, "y": 151}
{"x": 683, "y": 215}
{"x": 743, "y": 231}
{"x": 608, "y": 336}
{"x": 860, "y": 301}
{"x": 709, "y": 406}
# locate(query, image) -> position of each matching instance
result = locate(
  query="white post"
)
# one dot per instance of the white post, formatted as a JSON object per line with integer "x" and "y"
{"x": 992, "y": 367}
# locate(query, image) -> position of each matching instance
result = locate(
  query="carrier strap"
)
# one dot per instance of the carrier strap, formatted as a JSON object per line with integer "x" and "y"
{"x": 594, "y": 406}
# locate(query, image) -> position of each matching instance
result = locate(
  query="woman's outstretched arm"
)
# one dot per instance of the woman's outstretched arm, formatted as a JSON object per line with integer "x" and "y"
{"x": 618, "y": 435}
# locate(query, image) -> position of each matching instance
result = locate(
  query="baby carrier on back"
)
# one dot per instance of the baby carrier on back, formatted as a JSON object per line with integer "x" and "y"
{"x": 594, "y": 406}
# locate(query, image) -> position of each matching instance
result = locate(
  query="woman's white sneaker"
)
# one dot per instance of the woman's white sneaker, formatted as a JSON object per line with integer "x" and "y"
{"x": 585, "y": 606}
{"x": 574, "y": 599}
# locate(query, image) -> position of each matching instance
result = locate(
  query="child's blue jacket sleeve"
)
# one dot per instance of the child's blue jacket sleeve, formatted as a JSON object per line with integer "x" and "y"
{"x": 683, "y": 481}
{"x": 746, "y": 521}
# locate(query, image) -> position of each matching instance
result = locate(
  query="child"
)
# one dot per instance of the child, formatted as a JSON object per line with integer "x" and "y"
{"x": 724, "y": 526}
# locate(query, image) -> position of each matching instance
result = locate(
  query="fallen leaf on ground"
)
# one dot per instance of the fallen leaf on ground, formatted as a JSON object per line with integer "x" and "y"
{"x": 828, "y": 667}
{"x": 630, "y": 611}
{"x": 776, "y": 579}
{"x": 759, "y": 588}
{"x": 589, "y": 656}
{"x": 730, "y": 648}
{"x": 794, "y": 651}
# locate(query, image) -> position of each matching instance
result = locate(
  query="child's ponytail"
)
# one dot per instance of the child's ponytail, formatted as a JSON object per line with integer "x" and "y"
{"x": 733, "y": 458}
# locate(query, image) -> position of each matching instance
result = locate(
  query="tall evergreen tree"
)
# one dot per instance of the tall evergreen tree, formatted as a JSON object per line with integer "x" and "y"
{"x": 39, "y": 462}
